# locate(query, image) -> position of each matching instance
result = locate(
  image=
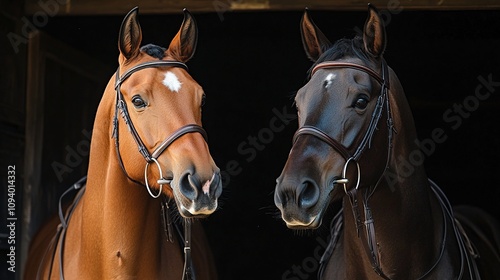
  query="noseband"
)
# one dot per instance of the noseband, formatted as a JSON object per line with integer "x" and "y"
{"x": 121, "y": 107}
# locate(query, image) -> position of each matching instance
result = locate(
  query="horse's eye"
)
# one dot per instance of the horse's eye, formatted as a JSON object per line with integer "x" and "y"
{"x": 361, "y": 102}
{"x": 138, "y": 102}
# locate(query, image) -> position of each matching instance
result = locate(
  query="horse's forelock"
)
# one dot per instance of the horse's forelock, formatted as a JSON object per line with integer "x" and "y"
{"x": 154, "y": 51}
{"x": 344, "y": 48}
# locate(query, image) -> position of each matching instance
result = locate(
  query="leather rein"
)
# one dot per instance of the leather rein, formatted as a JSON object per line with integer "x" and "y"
{"x": 370, "y": 243}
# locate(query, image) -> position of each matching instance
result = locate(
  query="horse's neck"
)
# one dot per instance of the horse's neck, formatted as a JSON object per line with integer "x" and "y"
{"x": 115, "y": 204}
{"x": 405, "y": 215}
{"x": 118, "y": 222}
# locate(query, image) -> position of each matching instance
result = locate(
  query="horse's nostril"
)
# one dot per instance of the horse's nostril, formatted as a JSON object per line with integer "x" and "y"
{"x": 187, "y": 186}
{"x": 308, "y": 195}
{"x": 215, "y": 185}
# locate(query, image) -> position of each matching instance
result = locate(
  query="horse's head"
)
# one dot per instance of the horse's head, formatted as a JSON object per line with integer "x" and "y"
{"x": 161, "y": 143}
{"x": 339, "y": 130}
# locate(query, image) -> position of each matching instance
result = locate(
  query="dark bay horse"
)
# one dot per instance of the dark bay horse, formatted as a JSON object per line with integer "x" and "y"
{"x": 148, "y": 154}
{"x": 355, "y": 125}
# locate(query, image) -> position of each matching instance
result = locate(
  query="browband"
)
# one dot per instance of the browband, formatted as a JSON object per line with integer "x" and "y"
{"x": 160, "y": 63}
{"x": 368, "y": 70}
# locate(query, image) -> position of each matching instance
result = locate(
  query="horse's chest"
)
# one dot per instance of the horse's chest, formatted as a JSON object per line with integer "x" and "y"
{"x": 346, "y": 264}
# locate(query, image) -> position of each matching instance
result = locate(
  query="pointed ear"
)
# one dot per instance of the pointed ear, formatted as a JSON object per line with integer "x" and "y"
{"x": 374, "y": 33}
{"x": 183, "y": 45}
{"x": 130, "y": 36}
{"x": 314, "y": 41}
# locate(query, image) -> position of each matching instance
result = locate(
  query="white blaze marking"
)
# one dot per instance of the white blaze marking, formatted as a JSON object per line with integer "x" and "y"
{"x": 172, "y": 82}
{"x": 329, "y": 79}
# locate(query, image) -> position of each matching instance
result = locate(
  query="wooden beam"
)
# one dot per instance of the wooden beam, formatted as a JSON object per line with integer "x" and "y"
{"x": 35, "y": 96}
{"x": 47, "y": 8}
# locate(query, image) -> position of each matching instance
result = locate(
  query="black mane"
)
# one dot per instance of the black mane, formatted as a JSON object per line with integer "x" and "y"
{"x": 344, "y": 48}
{"x": 154, "y": 51}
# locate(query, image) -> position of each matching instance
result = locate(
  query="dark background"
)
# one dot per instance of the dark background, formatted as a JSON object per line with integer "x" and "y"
{"x": 251, "y": 63}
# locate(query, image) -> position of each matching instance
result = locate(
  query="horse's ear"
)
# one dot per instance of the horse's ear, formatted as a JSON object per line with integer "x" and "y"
{"x": 374, "y": 33}
{"x": 130, "y": 36}
{"x": 183, "y": 45}
{"x": 314, "y": 41}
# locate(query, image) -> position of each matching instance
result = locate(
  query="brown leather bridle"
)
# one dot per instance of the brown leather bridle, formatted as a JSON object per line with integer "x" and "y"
{"x": 121, "y": 107}
{"x": 382, "y": 101}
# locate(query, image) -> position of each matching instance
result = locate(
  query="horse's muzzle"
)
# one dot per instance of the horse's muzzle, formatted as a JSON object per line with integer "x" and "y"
{"x": 196, "y": 196}
{"x": 299, "y": 203}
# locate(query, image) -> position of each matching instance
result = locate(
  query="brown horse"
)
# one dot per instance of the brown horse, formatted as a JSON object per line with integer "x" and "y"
{"x": 355, "y": 127}
{"x": 147, "y": 143}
